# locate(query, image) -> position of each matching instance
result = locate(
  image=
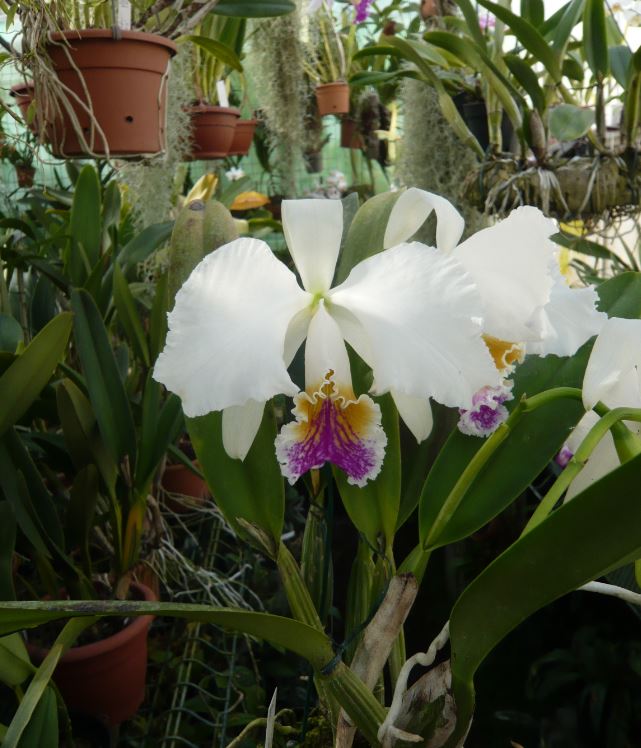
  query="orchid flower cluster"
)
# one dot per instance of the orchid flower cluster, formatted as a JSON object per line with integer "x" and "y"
{"x": 447, "y": 324}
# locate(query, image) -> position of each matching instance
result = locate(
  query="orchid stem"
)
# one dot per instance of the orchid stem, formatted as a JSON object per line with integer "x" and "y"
{"x": 478, "y": 462}
{"x": 610, "y": 420}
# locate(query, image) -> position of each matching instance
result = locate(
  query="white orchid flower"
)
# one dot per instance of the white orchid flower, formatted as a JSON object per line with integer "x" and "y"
{"x": 612, "y": 376}
{"x": 410, "y": 312}
{"x": 526, "y": 302}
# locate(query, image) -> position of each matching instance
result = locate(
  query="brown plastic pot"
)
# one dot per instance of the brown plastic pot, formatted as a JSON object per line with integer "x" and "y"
{"x": 333, "y": 98}
{"x": 122, "y": 81}
{"x": 106, "y": 679}
{"x": 243, "y": 137}
{"x": 23, "y": 94}
{"x": 213, "y": 129}
{"x": 350, "y": 136}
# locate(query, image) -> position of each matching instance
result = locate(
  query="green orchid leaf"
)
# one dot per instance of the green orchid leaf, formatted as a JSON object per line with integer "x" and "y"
{"x": 561, "y": 27}
{"x": 253, "y": 8}
{"x": 106, "y": 391}
{"x": 528, "y": 79}
{"x": 128, "y": 315}
{"x": 10, "y": 333}
{"x": 7, "y": 547}
{"x": 621, "y": 64}
{"x": 143, "y": 244}
{"x": 373, "y": 509}
{"x": 584, "y": 246}
{"x": 536, "y": 438}
{"x": 569, "y": 122}
{"x": 42, "y": 729}
{"x": 595, "y": 38}
{"x": 218, "y": 50}
{"x": 529, "y": 37}
{"x": 599, "y": 530}
{"x": 32, "y": 369}
{"x": 282, "y": 632}
{"x": 83, "y": 500}
{"x": 470, "y": 13}
{"x": 158, "y": 318}
{"x": 251, "y": 490}
{"x": 15, "y": 665}
{"x": 85, "y": 219}
{"x": 533, "y": 11}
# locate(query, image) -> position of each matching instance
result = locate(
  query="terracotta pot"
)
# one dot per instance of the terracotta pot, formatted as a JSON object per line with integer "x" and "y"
{"x": 123, "y": 81}
{"x": 106, "y": 679}
{"x": 213, "y": 130}
{"x": 350, "y": 136}
{"x": 23, "y": 95}
{"x": 179, "y": 479}
{"x": 332, "y": 98}
{"x": 25, "y": 175}
{"x": 243, "y": 137}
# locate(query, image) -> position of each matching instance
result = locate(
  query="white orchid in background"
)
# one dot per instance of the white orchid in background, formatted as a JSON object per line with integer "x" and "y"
{"x": 234, "y": 174}
{"x": 613, "y": 377}
{"x": 410, "y": 312}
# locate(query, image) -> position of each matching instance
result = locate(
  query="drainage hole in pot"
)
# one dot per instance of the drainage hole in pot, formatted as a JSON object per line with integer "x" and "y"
{"x": 129, "y": 118}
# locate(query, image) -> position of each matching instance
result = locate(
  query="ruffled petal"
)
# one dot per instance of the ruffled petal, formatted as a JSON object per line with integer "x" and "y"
{"x": 415, "y": 313}
{"x": 240, "y": 426}
{"x": 410, "y": 212}
{"x": 568, "y": 319}
{"x": 510, "y": 265}
{"x": 613, "y": 372}
{"x": 227, "y": 330}
{"x": 416, "y": 414}
{"x": 313, "y": 230}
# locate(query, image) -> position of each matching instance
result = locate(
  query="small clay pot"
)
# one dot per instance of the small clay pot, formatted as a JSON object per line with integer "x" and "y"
{"x": 23, "y": 95}
{"x": 122, "y": 81}
{"x": 350, "y": 136}
{"x": 25, "y": 175}
{"x": 332, "y": 98}
{"x": 213, "y": 130}
{"x": 243, "y": 137}
{"x": 105, "y": 679}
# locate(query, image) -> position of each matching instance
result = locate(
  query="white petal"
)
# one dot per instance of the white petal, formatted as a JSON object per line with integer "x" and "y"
{"x": 416, "y": 413}
{"x": 227, "y": 330}
{"x": 614, "y": 367}
{"x": 410, "y": 212}
{"x": 568, "y": 319}
{"x": 313, "y": 230}
{"x": 240, "y": 426}
{"x": 510, "y": 264}
{"x": 324, "y": 351}
{"x": 415, "y": 309}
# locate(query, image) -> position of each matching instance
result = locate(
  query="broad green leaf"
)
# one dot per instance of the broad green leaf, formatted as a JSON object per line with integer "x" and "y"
{"x": 365, "y": 235}
{"x": 110, "y": 208}
{"x": 80, "y": 513}
{"x": 85, "y": 219}
{"x": 528, "y": 79}
{"x": 374, "y": 508}
{"x": 282, "y": 632}
{"x": 594, "y": 533}
{"x": 218, "y": 50}
{"x": 470, "y": 13}
{"x": 585, "y": 246}
{"x": 23, "y": 381}
{"x": 621, "y": 64}
{"x": 7, "y": 547}
{"x": 595, "y": 37}
{"x": 529, "y": 37}
{"x": 128, "y": 315}
{"x": 533, "y": 11}
{"x": 251, "y": 490}
{"x": 534, "y": 441}
{"x": 106, "y": 391}
{"x": 15, "y": 665}
{"x": 144, "y": 243}
{"x": 10, "y": 333}
{"x": 569, "y": 122}
{"x": 42, "y": 729}
{"x": 158, "y": 318}
{"x": 253, "y": 8}
{"x": 561, "y": 31}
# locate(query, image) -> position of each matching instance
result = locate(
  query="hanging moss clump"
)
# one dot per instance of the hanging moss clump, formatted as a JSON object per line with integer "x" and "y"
{"x": 432, "y": 157}
{"x": 275, "y": 66}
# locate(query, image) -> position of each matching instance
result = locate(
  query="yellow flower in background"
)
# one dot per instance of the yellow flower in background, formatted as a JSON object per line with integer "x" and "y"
{"x": 249, "y": 201}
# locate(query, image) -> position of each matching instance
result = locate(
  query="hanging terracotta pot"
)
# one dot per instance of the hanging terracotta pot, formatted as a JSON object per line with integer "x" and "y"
{"x": 106, "y": 679}
{"x": 350, "y": 136}
{"x": 25, "y": 175}
{"x": 123, "y": 82}
{"x": 23, "y": 95}
{"x": 213, "y": 130}
{"x": 332, "y": 98}
{"x": 243, "y": 137}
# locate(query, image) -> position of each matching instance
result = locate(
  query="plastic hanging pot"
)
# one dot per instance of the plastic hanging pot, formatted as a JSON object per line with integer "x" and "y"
{"x": 332, "y": 98}
{"x": 105, "y": 679}
{"x": 115, "y": 89}
{"x": 243, "y": 137}
{"x": 213, "y": 129}
{"x": 350, "y": 135}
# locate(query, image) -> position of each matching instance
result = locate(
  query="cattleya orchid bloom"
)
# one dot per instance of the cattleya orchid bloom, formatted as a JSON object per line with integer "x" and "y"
{"x": 613, "y": 377}
{"x": 410, "y": 312}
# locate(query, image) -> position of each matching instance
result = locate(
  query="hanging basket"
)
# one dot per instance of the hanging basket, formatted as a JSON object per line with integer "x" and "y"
{"x": 213, "y": 129}
{"x": 243, "y": 137}
{"x": 332, "y": 98}
{"x": 115, "y": 89}
{"x": 585, "y": 188}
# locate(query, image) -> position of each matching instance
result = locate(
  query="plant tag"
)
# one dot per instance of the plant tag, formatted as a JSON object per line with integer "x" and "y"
{"x": 223, "y": 99}
{"x": 124, "y": 15}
